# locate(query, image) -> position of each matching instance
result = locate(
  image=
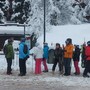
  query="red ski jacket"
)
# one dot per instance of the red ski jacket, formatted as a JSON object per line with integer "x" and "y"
{"x": 87, "y": 52}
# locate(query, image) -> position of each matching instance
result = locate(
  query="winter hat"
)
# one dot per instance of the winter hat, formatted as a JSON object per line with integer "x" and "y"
{"x": 57, "y": 44}
{"x": 36, "y": 44}
{"x": 45, "y": 44}
{"x": 77, "y": 46}
{"x": 9, "y": 40}
{"x": 23, "y": 39}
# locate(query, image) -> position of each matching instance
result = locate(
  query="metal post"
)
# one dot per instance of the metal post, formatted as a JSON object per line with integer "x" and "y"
{"x": 24, "y": 31}
{"x": 44, "y": 20}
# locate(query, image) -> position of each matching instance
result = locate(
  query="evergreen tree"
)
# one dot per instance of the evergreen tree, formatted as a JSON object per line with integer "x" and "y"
{"x": 21, "y": 9}
{"x": 61, "y": 13}
{"x": 2, "y": 2}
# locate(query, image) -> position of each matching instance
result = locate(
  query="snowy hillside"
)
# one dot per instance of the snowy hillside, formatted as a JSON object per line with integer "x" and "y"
{"x": 78, "y": 33}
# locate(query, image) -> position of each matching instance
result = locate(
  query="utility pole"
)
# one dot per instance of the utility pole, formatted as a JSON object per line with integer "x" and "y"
{"x": 44, "y": 21}
{"x": 24, "y": 30}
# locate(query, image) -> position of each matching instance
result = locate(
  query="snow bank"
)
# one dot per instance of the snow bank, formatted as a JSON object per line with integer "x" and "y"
{"x": 13, "y": 30}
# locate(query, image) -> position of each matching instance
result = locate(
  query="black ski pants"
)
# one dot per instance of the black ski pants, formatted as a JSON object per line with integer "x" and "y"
{"x": 60, "y": 64}
{"x": 87, "y": 67}
{"x": 9, "y": 64}
{"x": 67, "y": 65}
{"x": 22, "y": 66}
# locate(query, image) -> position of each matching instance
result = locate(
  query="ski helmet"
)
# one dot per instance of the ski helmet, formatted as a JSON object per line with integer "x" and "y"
{"x": 88, "y": 43}
{"x": 68, "y": 41}
{"x": 77, "y": 46}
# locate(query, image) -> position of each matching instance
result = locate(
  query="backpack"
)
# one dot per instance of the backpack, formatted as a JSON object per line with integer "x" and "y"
{"x": 25, "y": 49}
{"x": 5, "y": 49}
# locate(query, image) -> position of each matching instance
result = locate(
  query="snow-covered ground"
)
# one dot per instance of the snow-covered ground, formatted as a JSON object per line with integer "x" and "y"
{"x": 52, "y": 80}
{"x": 58, "y": 34}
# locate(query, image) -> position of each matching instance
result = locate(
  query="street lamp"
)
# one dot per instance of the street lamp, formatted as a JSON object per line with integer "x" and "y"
{"x": 44, "y": 21}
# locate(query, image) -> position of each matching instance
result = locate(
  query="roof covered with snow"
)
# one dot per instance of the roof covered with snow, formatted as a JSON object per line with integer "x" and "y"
{"x": 13, "y": 29}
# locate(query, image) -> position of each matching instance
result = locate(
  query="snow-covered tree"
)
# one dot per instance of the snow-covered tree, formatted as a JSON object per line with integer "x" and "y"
{"x": 61, "y": 13}
{"x": 1, "y": 16}
{"x": 57, "y": 12}
{"x": 70, "y": 11}
{"x": 1, "y": 11}
{"x": 36, "y": 19}
{"x": 21, "y": 9}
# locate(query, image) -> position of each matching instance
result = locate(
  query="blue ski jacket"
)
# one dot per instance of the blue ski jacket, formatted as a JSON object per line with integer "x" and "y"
{"x": 45, "y": 51}
{"x": 22, "y": 55}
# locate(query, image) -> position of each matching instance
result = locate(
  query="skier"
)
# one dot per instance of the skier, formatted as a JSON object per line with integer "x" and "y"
{"x": 23, "y": 56}
{"x": 87, "y": 55}
{"x": 45, "y": 56}
{"x": 37, "y": 52}
{"x": 76, "y": 58}
{"x": 83, "y": 61}
{"x": 9, "y": 55}
{"x": 58, "y": 58}
{"x": 68, "y": 54}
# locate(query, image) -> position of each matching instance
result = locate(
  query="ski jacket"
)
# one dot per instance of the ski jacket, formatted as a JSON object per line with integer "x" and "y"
{"x": 37, "y": 52}
{"x": 9, "y": 51}
{"x": 76, "y": 54}
{"x": 68, "y": 51}
{"x": 87, "y": 52}
{"x": 22, "y": 55}
{"x": 58, "y": 53}
{"x": 45, "y": 52}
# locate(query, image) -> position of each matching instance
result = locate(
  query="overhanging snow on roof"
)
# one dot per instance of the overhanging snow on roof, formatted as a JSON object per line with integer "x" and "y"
{"x": 13, "y": 28}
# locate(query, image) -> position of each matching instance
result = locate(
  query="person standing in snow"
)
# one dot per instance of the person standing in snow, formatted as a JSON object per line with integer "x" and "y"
{"x": 87, "y": 55}
{"x": 76, "y": 59}
{"x": 23, "y": 56}
{"x": 45, "y": 56}
{"x": 68, "y": 54}
{"x": 58, "y": 53}
{"x": 83, "y": 61}
{"x": 37, "y": 52}
{"x": 9, "y": 55}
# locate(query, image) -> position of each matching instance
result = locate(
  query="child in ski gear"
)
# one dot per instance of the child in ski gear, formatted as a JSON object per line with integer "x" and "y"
{"x": 9, "y": 55}
{"x": 22, "y": 58}
{"x": 38, "y": 56}
{"x": 45, "y": 57}
{"x": 76, "y": 58}
{"x": 68, "y": 54}
{"x": 87, "y": 55}
{"x": 58, "y": 58}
